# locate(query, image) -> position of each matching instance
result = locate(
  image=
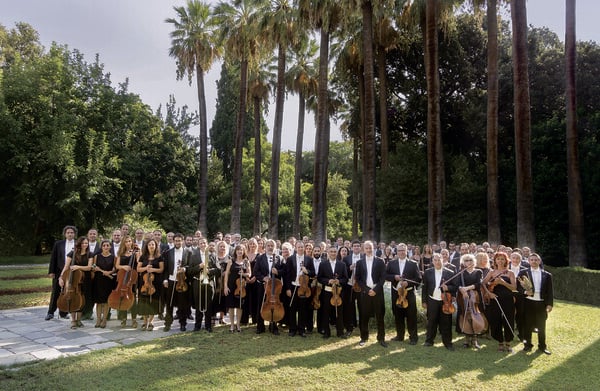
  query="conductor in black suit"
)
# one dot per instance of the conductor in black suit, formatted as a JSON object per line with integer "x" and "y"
{"x": 404, "y": 273}
{"x": 57, "y": 262}
{"x": 434, "y": 284}
{"x": 370, "y": 275}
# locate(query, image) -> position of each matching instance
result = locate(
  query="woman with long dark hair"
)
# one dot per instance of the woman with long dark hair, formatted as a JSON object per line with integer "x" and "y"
{"x": 78, "y": 259}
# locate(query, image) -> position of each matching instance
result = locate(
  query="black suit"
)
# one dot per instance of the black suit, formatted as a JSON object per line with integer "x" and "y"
{"x": 171, "y": 297}
{"x": 371, "y": 304}
{"x": 326, "y": 273}
{"x": 57, "y": 264}
{"x": 299, "y": 306}
{"x": 350, "y": 297}
{"x": 436, "y": 318}
{"x": 260, "y": 271}
{"x": 201, "y": 289}
{"x": 410, "y": 272}
{"x": 535, "y": 313}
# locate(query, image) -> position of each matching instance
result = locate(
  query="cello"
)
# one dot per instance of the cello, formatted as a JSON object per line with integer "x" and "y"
{"x": 122, "y": 297}
{"x": 272, "y": 307}
{"x": 471, "y": 320}
{"x": 71, "y": 299}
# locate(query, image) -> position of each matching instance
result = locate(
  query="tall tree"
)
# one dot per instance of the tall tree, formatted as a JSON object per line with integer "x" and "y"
{"x": 279, "y": 26}
{"x": 493, "y": 205}
{"x": 435, "y": 153}
{"x": 522, "y": 114}
{"x": 238, "y": 34}
{"x": 302, "y": 80}
{"x": 195, "y": 50}
{"x": 577, "y": 251}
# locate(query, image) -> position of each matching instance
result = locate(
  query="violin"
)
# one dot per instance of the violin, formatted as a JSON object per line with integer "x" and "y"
{"x": 272, "y": 307}
{"x": 181, "y": 285}
{"x": 71, "y": 299}
{"x": 401, "y": 301}
{"x": 316, "y": 294}
{"x": 304, "y": 288}
{"x": 148, "y": 288}
{"x": 336, "y": 289}
{"x": 122, "y": 297}
{"x": 240, "y": 284}
{"x": 447, "y": 306}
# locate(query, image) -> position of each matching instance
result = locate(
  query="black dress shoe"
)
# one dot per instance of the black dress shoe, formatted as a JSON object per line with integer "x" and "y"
{"x": 527, "y": 348}
{"x": 348, "y": 334}
{"x": 209, "y": 330}
{"x": 383, "y": 343}
{"x": 396, "y": 338}
{"x": 450, "y": 348}
{"x": 260, "y": 331}
{"x": 275, "y": 332}
{"x": 49, "y": 316}
{"x": 182, "y": 328}
{"x": 342, "y": 336}
{"x": 303, "y": 335}
{"x": 427, "y": 344}
{"x": 413, "y": 342}
{"x": 325, "y": 336}
{"x": 292, "y": 333}
{"x": 362, "y": 342}
{"x": 64, "y": 316}
{"x": 545, "y": 351}
{"x": 196, "y": 329}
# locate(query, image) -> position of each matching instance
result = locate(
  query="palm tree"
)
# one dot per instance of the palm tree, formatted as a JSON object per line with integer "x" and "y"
{"x": 323, "y": 15}
{"x": 577, "y": 252}
{"x": 279, "y": 27}
{"x": 522, "y": 113}
{"x": 493, "y": 206}
{"x": 260, "y": 81}
{"x": 301, "y": 79}
{"x": 238, "y": 34}
{"x": 195, "y": 50}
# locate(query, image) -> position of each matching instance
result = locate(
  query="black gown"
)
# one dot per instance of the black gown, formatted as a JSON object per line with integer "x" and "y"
{"x": 102, "y": 285}
{"x": 149, "y": 304}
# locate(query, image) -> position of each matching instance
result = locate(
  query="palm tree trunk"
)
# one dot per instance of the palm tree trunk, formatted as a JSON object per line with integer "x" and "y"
{"x": 525, "y": 219}
{"x": 383, "y": 122}
{"x": 203, "y": 171}
{"x": 257, "y": 227}
{"x": 577, "y": 251}
{"x": 435, "y": 153}
{"x": 493, "y": 205}
{"x": 276, "y": 154}
{"x": 298, "y": 164}
{"x": 355, "y": 189}
{"x": 370, "y": 156}
{"x": 236, "y": 191}
{"x": 319, "y": 220}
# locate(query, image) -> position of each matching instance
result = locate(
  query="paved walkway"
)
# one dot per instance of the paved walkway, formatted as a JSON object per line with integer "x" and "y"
{"x": 25, "y": 336}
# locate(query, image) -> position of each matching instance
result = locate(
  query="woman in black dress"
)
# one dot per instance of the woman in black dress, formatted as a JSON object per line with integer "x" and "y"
{"x": 219, "y": 301}
{"x": 126, "y": 260}
{"x": 150, "y": 267}
{"x": 78, "y": 259}
{"x": 238, "y": 267}
{"x": 103, "y": 282}
{"x": 470, "y": 280}
{"x": 499, "y": 285}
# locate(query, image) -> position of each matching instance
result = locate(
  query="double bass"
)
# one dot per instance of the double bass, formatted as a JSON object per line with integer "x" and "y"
{"x": 272, "y": 307}
{"x": 71, "y": 298}
{"x": 122, "y": 297}
{"x": 471, "y": 320}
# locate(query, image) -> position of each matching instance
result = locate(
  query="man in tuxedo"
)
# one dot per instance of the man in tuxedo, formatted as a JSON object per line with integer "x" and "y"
{"x": 94, "y": 248}
{"x": 297, "y": 265}
{"x": 538, "y": 302}
{"x": 268, "y": 265}
{"x": 57, "y": 262}
{"x": 201, "y": 270}
{"x": 94, "y": 245}
{"x": 332, "y": 275}
{"x": 173, "y": 259}
{"x": 404, "y": 273}
{"x": 370, "y": 275}
{"x": 349, "y": 297}
{"x": 446, "y": 261}
{"x": 116, "y": 242}
{"x": 433, "y": 286}
{"x": 454, "y": 255}
{"x": 139, "y": 239}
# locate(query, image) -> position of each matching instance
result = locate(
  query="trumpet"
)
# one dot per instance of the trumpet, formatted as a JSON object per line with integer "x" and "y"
{"x": 526, "y": 283}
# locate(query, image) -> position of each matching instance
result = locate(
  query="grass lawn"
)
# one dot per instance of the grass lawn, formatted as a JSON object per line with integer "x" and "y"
{"x": 25, "y": 260}
{"x": 246, "y": 361}
{"x": 24, "y": 287}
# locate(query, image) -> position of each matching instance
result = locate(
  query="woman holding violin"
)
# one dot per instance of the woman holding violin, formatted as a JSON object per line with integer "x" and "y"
{"x": 251, "y": 305}
{"x": 236, "y": 274}
{"x": 150, "y": 268}
{"x": 72, "y": 297}
{"x": 219, "y": 300}
{"x": 103, "y": 282}
{"x": 498, "y": 288}
{"x": 471, "y": 320}
{"x": 126, "y": 261}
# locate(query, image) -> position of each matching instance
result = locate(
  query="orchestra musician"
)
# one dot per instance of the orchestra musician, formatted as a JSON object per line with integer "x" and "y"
{"x": 433, "y": 286}
{"x": 150, "y": 261}
{"x": 333, "y": 274}
{"x": 297, "y": 265}
{"x": 236, "y": 273}
{"x": 173, "y": 259}
{"x": 370, "y": 275}
{"x": 349, "y": 296}
{"x": 405, "y": 277}
{"x": 268, "y": 265}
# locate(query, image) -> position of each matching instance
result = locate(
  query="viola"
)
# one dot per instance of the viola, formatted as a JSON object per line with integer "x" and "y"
{"x": 71, "y": 298}
{"x": 148, "y": 288}
{"x": 240, "y": 285}
{"x": 304, "y": 288}
{"x": 181, "y": 285}
{"x": 336, "y": 299}
{"x": 272, "y": 307}
{"x": 316, "y": 294}
{"x": 401, "y": 301}
{"x": 122, "y": 297}
{"x": 447, "y": 306}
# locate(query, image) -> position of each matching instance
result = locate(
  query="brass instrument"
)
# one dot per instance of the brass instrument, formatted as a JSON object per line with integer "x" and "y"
{"x": 526, "y": 284}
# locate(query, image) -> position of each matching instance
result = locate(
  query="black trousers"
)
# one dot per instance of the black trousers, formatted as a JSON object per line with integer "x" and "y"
{"x": 436, "y": 318}
{"x": 172, "y": 299}
{"x": 535, "y": 317}
{"x": 405, "y": 318}
{"x": 203, "y": 302}
{"x": 369, "y": 305}
{"x": 298, "y": 312}
{"x": 350, "y": 299}
{"x": 330, "y": 312}
{"x": 56, "y": 289}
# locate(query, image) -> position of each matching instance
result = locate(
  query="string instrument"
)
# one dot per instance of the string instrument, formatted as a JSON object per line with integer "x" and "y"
{"x": 71, "y": 299}
{"x": 272, "y": 307}
{"x": 304, "y": 287}
{"x": 471, "y": 320}
{"x": 181, "y": 285}
{"x": 316, "y": 294}
{"x": 148, "y": 288}
{"x": 122, "y": 297}
{"x": 401, "y": 301}
{"x": 240, "y": 283}
{"x": 336, "y": 289}
{"x": 447, "y": 306}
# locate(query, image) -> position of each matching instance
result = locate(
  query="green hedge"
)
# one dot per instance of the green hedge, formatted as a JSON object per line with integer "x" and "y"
{"x": 576, "y": 284}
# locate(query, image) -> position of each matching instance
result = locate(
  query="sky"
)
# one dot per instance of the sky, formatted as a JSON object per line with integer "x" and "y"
{"x": 132, "y": 40}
